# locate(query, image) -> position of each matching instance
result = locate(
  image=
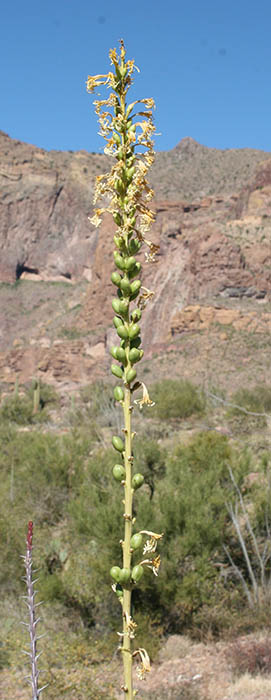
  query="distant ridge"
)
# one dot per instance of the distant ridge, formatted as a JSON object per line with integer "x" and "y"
{"x": 188, "y": 171}
{"x": 191, "y": 170}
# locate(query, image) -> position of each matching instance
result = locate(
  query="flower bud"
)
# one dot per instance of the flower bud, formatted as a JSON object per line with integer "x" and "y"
{"x": 116, "y": 305}
{"x": 125, "y": 576}
{"x": 135, "y": 287}
{"x": 117, "y": 371}
{"x": 137, "y": 481}
{"x": 136, "y": 540}
{"x": 119, "y": 472}
{"x": 116, "y": 278}
{"x": 130, "y": 263}
{"x": 134, "y": 245}
{"x": 122, "y": 332}
{"x": 116, "y": 320}
{"x": 117, "y": 443}
{"x": 120, "y": 355}
{"x": 119, "y": 242}
{"x": 134, "y": 355}
{"x": 118, "y": 393}
{"x": 136, "y": 315}
{"x": 137, "y": 573}
{"x": 125, "y": 287}
{"x": 119, "y": 260}
{"x": 130, "y": 376}
{"x": 119, "y": 591}
{"x": 115, "y": 573}
{"x": 134, "y": 330}
{"x": 135, "y": 271}
{"x": 113, "y": 351}
{"x": 117, "y": 218}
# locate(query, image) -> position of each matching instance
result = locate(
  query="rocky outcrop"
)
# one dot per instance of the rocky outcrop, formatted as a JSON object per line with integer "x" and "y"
{"x": 214, "y": 252}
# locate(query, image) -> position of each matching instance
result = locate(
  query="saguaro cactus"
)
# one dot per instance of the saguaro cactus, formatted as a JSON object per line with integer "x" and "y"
{"x": 128, "y": 130}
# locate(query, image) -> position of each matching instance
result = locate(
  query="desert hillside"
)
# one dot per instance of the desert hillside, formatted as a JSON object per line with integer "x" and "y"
{"x": 212, "y": 273}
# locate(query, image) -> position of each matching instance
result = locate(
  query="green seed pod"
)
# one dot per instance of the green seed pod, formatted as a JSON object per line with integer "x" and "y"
{"x": 136, "y": 315}
{"x": 113, "y": 351}
{"x": 119, "y": 242}
{"x": 136, "y": 540}
{"x": 134, "y": 355}
{"x": 117, "y": 218}
{"x": 115, "y": 573}
{"x": 116, "y": 137}
{"x": 134, "y": 245}
{"x": 117, "y": 443}
{"x": 135, "y": 271}
{"x": 130, "y": 376}
{"x": 129, "y": 174}
{"x": 124, "y": 304}
{"x": 119, "y": 591}
{"x": 125, "y": 576}
{"x": 137, "y": 481}
{"x": 120, "y": 187}
{"x": 118, "y": 393}
{"x": 122, "y": 332}
{"x": 134, "y": 330}
{"x": 119, "y": 472}
{"x": 123, "y": 71}
{"x": 136, "y": 342}
{"x": 116, "y": 305}
{"x": 135, "y": 286}
{"x": 117, "y": 321}
{"x": 121, "y": 355}
{"x": 125, "y": 287}
{"x": 117, "y": 371}
{"x": 137, "y": 573}
{"x": 119, "y": 260}
{"x": 120, "y": 307}
{"x": 130, "y": 263}
{"x": 116, "y": 278}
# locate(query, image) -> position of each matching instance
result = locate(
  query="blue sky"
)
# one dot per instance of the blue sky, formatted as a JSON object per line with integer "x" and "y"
{"x": 206, "y": 63}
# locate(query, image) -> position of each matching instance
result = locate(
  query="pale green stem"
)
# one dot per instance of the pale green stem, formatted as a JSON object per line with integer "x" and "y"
{"x": 126, "y": 647}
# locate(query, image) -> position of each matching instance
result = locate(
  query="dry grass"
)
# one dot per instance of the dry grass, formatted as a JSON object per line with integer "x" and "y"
{"x": 250, "y": 687}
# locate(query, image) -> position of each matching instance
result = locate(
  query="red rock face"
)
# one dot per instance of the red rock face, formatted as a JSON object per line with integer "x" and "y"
{"x": 212, "y": 247}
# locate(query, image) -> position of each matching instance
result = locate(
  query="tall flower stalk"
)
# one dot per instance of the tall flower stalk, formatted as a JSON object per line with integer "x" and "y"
{"x": 33, "y": 620}
{"x": 128, "y": 130}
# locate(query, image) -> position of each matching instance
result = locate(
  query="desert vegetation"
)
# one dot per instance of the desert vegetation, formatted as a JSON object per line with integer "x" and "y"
{"x": 201, "y": 459}
{"x": 62, "y": 480}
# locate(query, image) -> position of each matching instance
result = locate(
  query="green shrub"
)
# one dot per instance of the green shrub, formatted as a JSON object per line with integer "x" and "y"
{"x": 190, "y": 507}
{"x": 255, "y": 400}
{"x": 176, "y": 399}
{"x": 19, "y": 409}
{"x": 35, "y": 475}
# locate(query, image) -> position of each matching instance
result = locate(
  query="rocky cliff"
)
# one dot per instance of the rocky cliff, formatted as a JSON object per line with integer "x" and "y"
{"x": 213, "y": 226}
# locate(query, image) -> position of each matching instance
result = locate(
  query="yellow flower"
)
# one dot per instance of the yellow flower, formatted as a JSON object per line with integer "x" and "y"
{"x": 145, "y": 296}
{"x": 145, "y": 666}
{"x": 145, "y": 401}
{"x": 153, "y": 564}
{"x": 151, "y": 544}
{"x": 96, "y": 220}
